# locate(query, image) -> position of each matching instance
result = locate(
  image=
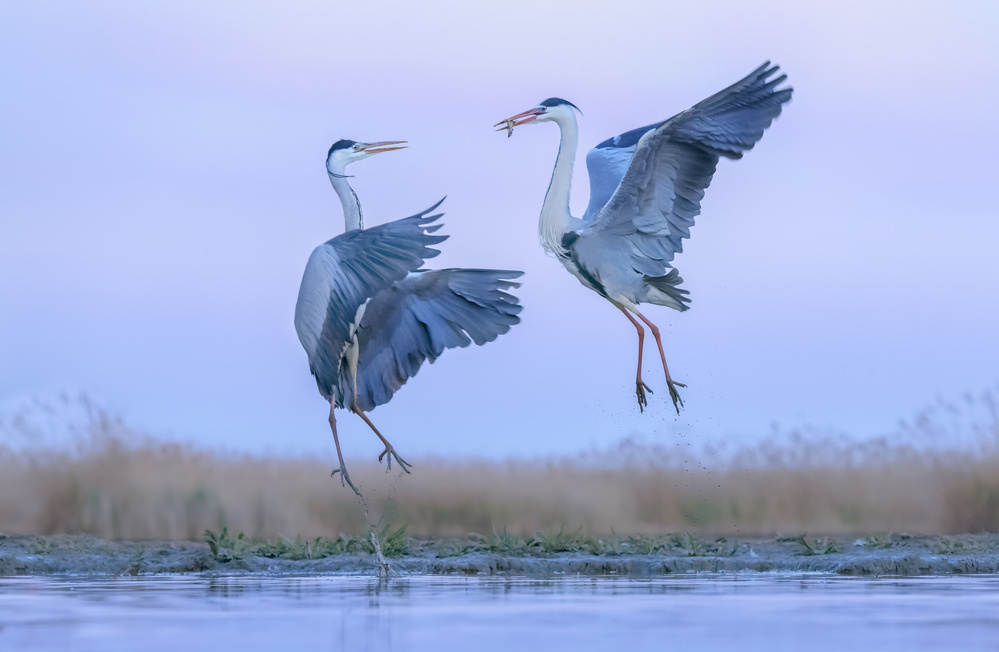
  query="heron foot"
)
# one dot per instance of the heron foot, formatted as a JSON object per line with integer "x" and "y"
{"x": 345, "y": 479}
{"x": 640, "y": 389}
{"x": 403, "y": 464}
{"x": 674, "y": 394}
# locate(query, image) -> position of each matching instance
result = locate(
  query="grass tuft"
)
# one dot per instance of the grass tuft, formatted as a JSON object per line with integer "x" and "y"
{"x": 225, "y": 547}
{"x": 879, "y": 541}
{"x": 551, "y": 541}
{"x": 504, "y": 543}
{"x": 823, "y": 546}
{"x": 966, "y": 545}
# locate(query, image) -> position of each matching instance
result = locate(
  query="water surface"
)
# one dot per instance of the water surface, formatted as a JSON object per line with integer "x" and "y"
{"x": 741, "y": 611}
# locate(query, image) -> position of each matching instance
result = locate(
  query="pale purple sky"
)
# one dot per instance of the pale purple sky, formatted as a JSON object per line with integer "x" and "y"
{"x": 162, "y": 185}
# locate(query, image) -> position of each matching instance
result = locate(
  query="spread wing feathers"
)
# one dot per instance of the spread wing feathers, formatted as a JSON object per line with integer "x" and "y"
{"x": 373, "y": 259}
{"x": 425, "y": 313}
{"x": 347, "y": 271}
{"x": 606, "y": 164}
{"x": 659, "y": 195}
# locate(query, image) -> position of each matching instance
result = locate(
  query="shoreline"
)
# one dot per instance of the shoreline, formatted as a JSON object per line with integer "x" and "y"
{"x": 888, "y": 555}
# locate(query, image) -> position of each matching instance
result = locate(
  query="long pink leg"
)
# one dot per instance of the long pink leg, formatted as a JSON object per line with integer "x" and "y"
{"x": 640, "y": 386}
{"x": 344, "y": 477}
{"x": 673, "y": 393}
{"x": 389, "y": 449}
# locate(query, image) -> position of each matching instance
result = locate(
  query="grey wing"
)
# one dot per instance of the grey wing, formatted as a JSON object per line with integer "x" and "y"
{"x": 659, "y": 195}
{"x": 606, "y": 164}
{"x": 425, "y": 313}
{"x": 345, "y": 272}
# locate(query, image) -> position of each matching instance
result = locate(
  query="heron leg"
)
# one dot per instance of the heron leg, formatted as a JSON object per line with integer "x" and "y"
{"x": 640, "y": 386}
{"x": 389, "y": 449}
{"x": 344, "y": 476}
{"x": 673, "y": 393}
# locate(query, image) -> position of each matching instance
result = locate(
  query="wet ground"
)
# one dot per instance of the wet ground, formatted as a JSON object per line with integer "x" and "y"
{"x": 728, "y": 611}
{"x": 876, "y": 555}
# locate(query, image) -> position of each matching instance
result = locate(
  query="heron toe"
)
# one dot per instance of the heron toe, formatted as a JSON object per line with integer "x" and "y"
{"x": 345, "y": 479}
{"x": 390, "y": 452}
{"x": 674, "y": 394}
{"x": 640, "y": 389}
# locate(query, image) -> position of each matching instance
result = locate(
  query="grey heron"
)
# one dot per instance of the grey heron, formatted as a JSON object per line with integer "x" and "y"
{"x": 646, "y": 187}
{"x": 368, "y": 316}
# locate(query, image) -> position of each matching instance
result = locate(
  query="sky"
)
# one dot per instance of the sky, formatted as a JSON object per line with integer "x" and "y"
{"x": 162, "y": 184}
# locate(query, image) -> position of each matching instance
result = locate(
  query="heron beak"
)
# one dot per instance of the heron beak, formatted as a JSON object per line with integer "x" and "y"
{"x": 383, "y": 146}
{"x": 507, "y": 125}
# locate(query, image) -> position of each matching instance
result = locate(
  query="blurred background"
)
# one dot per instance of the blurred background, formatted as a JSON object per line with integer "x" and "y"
{"x": 162, "y": 178}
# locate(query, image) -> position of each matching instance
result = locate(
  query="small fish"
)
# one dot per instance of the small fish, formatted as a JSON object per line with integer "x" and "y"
{"x": 507, "y": 125}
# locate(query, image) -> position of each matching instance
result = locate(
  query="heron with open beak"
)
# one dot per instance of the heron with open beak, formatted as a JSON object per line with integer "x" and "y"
{"x": 646, "y": 187}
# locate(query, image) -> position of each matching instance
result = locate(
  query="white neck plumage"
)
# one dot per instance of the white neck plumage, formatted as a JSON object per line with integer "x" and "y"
{"x": 555, "y": 216}
{"x": 352, "y": 217}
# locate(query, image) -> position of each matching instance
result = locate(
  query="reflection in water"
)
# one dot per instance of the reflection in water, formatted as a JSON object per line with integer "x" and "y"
{"x": 743, "y": 612}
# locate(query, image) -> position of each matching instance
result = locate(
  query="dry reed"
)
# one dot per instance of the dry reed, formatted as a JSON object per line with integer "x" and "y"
{"x": 118, "y": 484}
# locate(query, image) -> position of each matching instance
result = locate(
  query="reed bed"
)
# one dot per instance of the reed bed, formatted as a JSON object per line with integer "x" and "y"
{"x": 120, "y": 484}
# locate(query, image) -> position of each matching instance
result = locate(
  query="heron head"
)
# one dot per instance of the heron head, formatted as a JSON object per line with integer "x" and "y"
{"x": 552, "y": 109}
{"x": 344, "y": 152}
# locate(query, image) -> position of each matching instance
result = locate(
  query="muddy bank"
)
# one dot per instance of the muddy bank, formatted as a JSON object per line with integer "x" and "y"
{"x": 871, "y": 555}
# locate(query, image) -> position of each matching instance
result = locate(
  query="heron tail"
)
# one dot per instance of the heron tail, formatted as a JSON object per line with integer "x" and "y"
{"x": 666, "y": 291}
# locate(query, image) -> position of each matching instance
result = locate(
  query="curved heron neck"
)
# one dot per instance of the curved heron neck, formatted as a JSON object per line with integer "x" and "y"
{"x": 555, "y": 216}
{"x": 353, "y": 219}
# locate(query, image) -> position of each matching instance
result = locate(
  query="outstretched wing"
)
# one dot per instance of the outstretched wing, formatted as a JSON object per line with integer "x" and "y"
{"x": 606, "y": 164}
{"x": 425, "y": 313}
{"x": 347, "y": 271}
{"x": 660, "y": 193}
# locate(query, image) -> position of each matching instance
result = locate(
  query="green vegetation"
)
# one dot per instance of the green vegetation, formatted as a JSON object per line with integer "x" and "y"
{"x": 965, "y": 545}
{"x": 544, "y": 553}
{"x": 823, "y": 546}
{"x": 879, "y": 541}
{"x": 226, "y": 547}
{"x": 396, "y": 543}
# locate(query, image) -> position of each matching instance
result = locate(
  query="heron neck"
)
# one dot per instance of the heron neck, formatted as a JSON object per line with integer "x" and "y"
{"x": 555, "y": 216}
{"x": 352, "y": 217}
